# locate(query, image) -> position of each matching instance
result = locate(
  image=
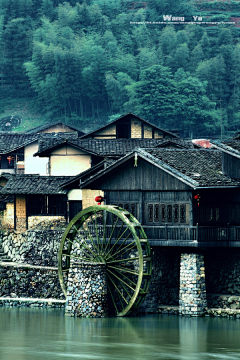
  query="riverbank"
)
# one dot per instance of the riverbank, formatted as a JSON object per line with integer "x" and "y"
{"x": 25, "y": 285}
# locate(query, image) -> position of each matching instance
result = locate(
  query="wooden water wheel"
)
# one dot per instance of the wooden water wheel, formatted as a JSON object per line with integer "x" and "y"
{"x": 111, "y": 235}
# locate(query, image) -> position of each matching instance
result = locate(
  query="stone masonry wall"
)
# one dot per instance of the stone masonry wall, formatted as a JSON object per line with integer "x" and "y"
{"x": 222, "y": 267}
{"x": 19, "y": 280}
{"x": 87, "y": 290}
{"x": 164, "y": 287}
{"x": 46, "y": 221}
{"x": 223, "y": 278}
{"x": 192, "y": 295}
{"x": 35, "y": 247}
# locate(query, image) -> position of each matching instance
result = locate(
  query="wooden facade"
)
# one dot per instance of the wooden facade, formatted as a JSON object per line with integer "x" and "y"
{"x": 231, "y": 165}
{"x": 130, "y": 126}
{"x": 167, "y": 208}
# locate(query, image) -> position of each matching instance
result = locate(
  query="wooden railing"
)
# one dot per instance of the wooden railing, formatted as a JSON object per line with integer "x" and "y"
{"x": 180, "y": 233}
{"x": 193, "y": 233}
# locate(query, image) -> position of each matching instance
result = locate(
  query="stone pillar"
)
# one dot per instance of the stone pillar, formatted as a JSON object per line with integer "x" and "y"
{"x": 87, "y": 290}
{"x": 192, "y": 294}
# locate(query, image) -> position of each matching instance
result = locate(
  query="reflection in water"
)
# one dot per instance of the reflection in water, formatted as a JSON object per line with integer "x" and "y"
{"x": 47, "y": 334}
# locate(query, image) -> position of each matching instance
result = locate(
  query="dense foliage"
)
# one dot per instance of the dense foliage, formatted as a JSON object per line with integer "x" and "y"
{"x": 84, "y": 59}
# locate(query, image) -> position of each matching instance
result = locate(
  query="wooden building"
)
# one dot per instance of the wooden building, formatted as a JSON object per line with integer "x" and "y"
{"x": 129, "y": 126}
{"x": 32, "y": 199}
{"x": 17, "y": 148}
{"x": 56, "y": 127}
{"x": 181, "y": 197}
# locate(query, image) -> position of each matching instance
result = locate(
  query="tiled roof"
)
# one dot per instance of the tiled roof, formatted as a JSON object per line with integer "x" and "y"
{"x": 40, "y": 128}
{"x": 34, "y": 184}
{"x": 11, "y": 141}
{"x": 202, "y": 166}
{"x": 83, "y": 176}
{"x": 232, "y": 147}
{"x": 197, "y": 168}
{"x": 126, "y": 115}
{"x": 113, "y": 147}
{"x": 235, "y": 144}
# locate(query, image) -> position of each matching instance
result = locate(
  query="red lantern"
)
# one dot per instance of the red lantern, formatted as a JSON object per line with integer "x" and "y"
{"x": 99, "y": 199}
{"x": 197, "y": 197}
{"x": 9, "y": 158}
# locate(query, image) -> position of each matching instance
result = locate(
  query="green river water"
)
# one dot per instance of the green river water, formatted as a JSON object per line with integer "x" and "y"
{"x": 34, "y": 334}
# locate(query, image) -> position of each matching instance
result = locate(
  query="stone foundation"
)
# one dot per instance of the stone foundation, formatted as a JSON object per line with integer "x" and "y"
{"x": 50, "y": 222}
{"x": 192, "y": 294}
{"x": 35, "y": 247}
{"x": 164, "y": 287}
{"x": 26, "y": 281}
{"x": 87, "y": 290}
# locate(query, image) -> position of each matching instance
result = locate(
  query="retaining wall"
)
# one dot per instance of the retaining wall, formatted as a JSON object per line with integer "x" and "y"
{"x": 222, "y": 266}
{"x": 35, "y": 247}
{"x": 87, "y": 290}
{"x": 26, "y": 281}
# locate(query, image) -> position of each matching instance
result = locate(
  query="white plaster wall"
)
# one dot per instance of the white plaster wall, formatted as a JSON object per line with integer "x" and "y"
{"x": 34, "y": 165}
{"x": 69, "y": 161}
{"x": 75, "y": 194}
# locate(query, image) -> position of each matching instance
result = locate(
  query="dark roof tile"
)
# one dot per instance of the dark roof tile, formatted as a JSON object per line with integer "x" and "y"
{"x": 10, "y": 142}
{"x": 197, "y": 168}
{"x": 202, "y": 166}
{"x": 113, "y": 147}
{"x": 34, "y": 184}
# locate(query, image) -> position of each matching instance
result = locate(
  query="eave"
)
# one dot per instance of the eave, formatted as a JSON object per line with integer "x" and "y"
{"x": 149, "y": 158}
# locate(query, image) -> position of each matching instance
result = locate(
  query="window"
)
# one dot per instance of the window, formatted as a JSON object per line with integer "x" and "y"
{"x": 175, "y": 215}
{"x": 46, "y": 205}
{"x": 182, "y": 213}
{"x": 163, "y": 213}
{"x": 150, "y": 212}
{"x": 157, "y": 213}
{"x": 133, "y": 208}
{"x": 123, "y": 130}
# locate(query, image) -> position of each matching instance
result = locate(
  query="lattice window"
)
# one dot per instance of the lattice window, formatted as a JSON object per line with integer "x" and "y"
{"x": 129, "y": 206}
{"x": 169, "y": 213}
{"x": 133, "y": 210}
{"x": 163, "y": 213}
{"x": 182, "y": 213}
{"x": 176, "y": 212}
{"x": 150, "y": 212}
{"x": 156, "y": 213}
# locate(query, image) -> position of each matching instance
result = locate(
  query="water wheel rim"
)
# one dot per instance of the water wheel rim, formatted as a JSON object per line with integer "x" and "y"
{"x": 135, "y": 229}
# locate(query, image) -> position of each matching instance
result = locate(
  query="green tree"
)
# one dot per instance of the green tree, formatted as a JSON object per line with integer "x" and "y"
{"x": 205, "y": 43}
{"x": 168, "y": 40}
{"x": 17, "y": 39}
{"x": 154, "y": 95}
{"x": 181, "y": 57}
{"x": 193, "y": 113}
{"x": 196, "y": 57}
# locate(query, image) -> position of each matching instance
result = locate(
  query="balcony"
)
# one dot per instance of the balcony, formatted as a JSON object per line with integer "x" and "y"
{"x": 194, "y": 236}
{"x": 188, "y": 236}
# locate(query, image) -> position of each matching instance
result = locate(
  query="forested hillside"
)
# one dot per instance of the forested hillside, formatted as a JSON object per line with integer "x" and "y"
{"x": 85, "y": 61}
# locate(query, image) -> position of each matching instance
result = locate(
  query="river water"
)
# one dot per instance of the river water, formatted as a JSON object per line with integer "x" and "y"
{"x": 46, "y": 334}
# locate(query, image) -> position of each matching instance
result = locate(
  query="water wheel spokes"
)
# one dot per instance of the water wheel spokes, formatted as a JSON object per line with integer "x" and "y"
{"x": 113, "y": 236}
